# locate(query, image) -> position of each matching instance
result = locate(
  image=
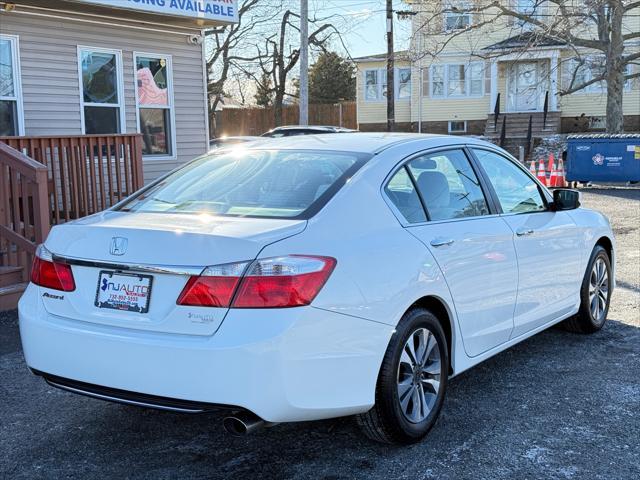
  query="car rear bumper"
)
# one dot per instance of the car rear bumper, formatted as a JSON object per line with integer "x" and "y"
{"x": 130, "y": 398}
{"x": 281, "y": 364}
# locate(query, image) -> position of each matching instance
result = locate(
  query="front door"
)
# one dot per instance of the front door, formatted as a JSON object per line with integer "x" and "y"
{"x": 547, "y": 245}
{"x": 524, "y": 86}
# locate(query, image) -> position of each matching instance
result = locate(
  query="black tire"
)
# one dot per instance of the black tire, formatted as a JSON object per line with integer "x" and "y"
{"x": 386, "y": 422}
{"x": 584, "y": 321}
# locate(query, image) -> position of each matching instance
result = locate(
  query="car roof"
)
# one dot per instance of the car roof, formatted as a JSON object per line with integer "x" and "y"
{"x": 360, "y": 142}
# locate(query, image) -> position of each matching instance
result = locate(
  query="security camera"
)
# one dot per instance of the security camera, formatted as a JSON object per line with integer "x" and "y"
{"x": 195, "y": 39}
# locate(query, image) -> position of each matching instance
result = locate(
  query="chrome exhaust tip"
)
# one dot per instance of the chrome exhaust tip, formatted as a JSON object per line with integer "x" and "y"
{"x": 242, "y": 423}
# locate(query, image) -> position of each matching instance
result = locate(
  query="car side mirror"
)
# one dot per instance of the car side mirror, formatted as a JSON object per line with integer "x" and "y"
{"x": 565, "y": 199}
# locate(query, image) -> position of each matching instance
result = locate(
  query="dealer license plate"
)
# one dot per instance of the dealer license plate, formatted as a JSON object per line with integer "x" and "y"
{"x": 123, "y": 291}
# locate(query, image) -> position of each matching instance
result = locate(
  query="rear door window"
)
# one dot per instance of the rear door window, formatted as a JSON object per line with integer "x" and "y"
{"x": 403, "y": 195}
{"x": 448, "y": 185}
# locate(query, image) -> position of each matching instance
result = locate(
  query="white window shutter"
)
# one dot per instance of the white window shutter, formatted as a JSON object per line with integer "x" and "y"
{"x": 487, "y": 77}
{"x": 425, "y": 82}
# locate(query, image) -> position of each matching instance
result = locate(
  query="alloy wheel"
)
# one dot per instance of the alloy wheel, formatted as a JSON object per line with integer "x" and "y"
{"x": 419, "y": 375}
{"x": 598, "y": 290}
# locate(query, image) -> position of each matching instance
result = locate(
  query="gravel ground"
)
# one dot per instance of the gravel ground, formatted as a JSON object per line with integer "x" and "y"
{"x": 556, "y": 406}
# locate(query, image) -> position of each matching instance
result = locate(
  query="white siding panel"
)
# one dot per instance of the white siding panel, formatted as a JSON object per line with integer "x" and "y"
{"x": 51, "y": 92}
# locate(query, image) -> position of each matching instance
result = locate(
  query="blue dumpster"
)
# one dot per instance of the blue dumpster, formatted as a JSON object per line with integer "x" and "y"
{"x": 602, "y": 157}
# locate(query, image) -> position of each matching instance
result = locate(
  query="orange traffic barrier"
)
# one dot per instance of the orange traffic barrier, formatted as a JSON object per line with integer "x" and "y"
{"x": 542, "y": 176}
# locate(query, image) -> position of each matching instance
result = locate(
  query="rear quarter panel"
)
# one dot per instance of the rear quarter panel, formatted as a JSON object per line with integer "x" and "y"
{"x": 381, "y": 268}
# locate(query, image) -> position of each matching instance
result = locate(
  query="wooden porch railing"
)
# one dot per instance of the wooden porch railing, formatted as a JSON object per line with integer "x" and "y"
{"x": 87, "y": 173}
{"x": 24, "y": 208}
{"x": 529, "y": 136}
{"x": 496, "y": 112}
{"x": 545, "y": 109}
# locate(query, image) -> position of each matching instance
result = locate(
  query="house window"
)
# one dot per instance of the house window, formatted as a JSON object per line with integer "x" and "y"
{"x": 404, "y": 83}
{"x": 371, "y": 85}
{"x": 383, "y": 91}
{"x": 10, "y": 95}
{"x": 375, "y": 83}
{"x": 101, "y": 86}
{"x": 154, "y": 104}
{"x": 457, "y": 80}
{"x": 589, "y": 67}
{"x": 531, "y": 8}
{"x": 457, "y": 126}
{"x": 457, "y": 15}
{"x": 598, "y": 123}
{"x": 437, "y": 81}
{"x": 527, "y": 7}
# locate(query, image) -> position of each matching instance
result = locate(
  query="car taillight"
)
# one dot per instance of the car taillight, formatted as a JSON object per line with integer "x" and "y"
{"x": 280, "y": 282}
{"x": 214, "y": 287}
{"x": 290, "y": 281}
{"x": 47, "y": 273}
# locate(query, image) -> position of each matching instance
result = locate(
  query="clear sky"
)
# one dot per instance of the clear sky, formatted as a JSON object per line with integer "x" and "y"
{"x": 366, "y": 20}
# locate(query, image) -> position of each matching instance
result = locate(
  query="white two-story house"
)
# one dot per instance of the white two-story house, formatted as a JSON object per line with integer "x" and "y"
{"x": 464, "y": 66}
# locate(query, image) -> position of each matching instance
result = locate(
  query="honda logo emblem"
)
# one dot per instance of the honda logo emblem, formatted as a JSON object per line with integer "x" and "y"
{"x": 118, "y": 246}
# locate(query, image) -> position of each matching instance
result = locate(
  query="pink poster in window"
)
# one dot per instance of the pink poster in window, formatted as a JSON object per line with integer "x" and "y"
{"x": 148, "y": 92}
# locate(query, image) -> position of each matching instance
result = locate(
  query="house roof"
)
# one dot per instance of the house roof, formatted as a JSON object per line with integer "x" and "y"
{"x": 526, "y": 39}
{"x": 399, "y": 55}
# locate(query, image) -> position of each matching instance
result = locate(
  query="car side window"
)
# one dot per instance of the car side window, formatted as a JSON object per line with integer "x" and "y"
{"x": 402, "y": 193}
{"x": 448, "y": 185}
{"x": 516, "y": 191}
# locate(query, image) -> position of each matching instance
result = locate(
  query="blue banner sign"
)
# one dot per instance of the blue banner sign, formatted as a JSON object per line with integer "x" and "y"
{"x": 223, "y": 11}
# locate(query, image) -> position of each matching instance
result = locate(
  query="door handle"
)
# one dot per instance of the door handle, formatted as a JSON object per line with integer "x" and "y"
{"x": 522, "y": 231}
{"x": 440, "y": 242}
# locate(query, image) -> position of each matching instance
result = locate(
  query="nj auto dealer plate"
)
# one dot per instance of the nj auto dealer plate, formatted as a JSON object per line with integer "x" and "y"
{"x": 123, "y": 291}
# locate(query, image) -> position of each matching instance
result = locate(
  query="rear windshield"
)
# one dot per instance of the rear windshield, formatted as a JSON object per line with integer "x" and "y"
{"x": 250, "y": 183}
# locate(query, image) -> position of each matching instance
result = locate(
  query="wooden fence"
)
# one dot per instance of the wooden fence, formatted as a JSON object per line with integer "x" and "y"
{"x": 257, "y": 120}
{"x": 24, "y": 208}
{"x": 86, "y": 173}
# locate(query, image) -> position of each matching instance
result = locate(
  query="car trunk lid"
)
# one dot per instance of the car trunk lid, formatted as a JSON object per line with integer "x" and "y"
{"x": 166, "y": 248}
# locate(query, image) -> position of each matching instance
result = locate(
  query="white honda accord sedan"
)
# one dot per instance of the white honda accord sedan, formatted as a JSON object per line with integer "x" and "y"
{"x": 314, "y": 277}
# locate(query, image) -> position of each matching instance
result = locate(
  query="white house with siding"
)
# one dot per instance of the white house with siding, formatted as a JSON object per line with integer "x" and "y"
{"x": 72, "y": 68}
{"x": 461, "y": 69}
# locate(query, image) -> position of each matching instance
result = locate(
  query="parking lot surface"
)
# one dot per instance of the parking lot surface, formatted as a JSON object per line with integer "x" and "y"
{"x": 559, "y": 405}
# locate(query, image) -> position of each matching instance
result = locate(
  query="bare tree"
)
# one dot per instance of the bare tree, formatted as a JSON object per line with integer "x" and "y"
{"x": 230, "y": 47}
{"x": 594, "y": 30}
{"x": 263, "y": 44}
{"x": 277, "y": 56}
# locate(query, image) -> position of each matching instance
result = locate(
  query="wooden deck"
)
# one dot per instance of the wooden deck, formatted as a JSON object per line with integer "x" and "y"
{"x": 49, "y": 180}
